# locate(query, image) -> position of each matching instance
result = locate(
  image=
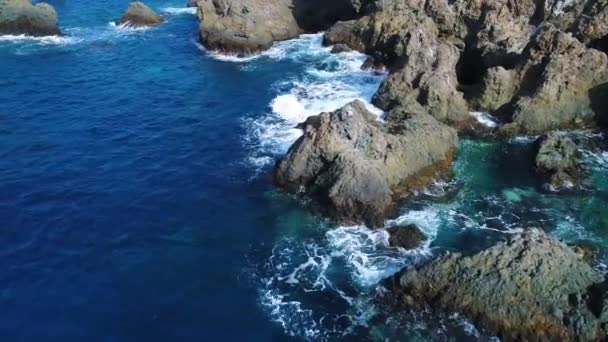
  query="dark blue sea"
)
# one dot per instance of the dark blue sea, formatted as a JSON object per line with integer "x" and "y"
{"x": 136, "y": 201}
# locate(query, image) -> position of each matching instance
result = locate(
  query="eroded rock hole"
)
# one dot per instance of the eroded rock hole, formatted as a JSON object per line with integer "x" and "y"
{"x": 600, "y": 44}
{"x": 470, "y": 70}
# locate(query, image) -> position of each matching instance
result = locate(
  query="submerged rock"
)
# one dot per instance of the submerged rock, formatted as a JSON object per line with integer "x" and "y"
{"x": 245, "y": 26}
{"x": 356, "y": 167}
{"x": 531, "y": 287}
{"x": 21, "y": 17}
{"x": 140, "y": 15}
{"x": 559, "y": 161}
{"x": 407, "y": 237}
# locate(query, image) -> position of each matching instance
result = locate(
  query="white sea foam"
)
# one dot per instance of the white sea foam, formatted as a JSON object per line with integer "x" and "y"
{"x": 128, "y": 27}
{"x": 303, "y": 271}
{"x": 485, "y": 119}
{"x": 45, "y": 40}
{"x": 367, "y": 254}
{"x": 330, "y": 82}
{"x": 428, "y": 219}
{"x": 524, "y": 139}
{"x": 596, "y": 160}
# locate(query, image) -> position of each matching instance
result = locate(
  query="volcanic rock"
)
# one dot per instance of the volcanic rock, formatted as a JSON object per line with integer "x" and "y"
{"x": 558, "y": 160}
{"x": 356, "y": 167}
{"x": 531, "y": 287}
{"x": 21, "y": 17}
{"x": 140, "y": 15}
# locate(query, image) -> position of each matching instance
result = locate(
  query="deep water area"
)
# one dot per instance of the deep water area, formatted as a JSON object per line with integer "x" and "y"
{"x": 137, "y": 202}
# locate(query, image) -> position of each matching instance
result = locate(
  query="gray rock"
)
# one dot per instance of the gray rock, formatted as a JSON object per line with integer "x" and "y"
{"x": 356, "y": 167}
{"x": 245, "y": 26}
{"x": 140, "y": 15}
{"x": 21, "y": 17}
{"x": 339, "y": 48}
{"x": 319, "y": 15}
{"x": 512, "y": 58}
{"x": 559, "y": 161}
{"x": 555, "y": 83}
{"x": 407, "y": 237}
{"x": 531, "y": 287}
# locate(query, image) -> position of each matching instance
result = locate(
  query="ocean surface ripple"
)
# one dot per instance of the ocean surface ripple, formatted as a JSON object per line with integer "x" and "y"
{"x": 137, "y": 203}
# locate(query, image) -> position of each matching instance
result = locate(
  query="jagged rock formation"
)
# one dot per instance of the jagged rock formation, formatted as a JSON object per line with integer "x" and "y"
{"x": 406, "y": 237}
{"x": 356, "y": 167}
{"x": 245, "y": 26}
{"x": 531, "y": 287}
{"x": 140, "y": 15}
{"x": 531, "y": 63}
{"x": 21, "y": 17}
{"x": 558, "y": 161}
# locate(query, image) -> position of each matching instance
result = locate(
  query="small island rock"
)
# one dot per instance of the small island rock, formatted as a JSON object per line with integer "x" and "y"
{"x": 140, "y": 15}
{"x": 22, "y": 17}
{"x": 558, "y": 160}
{"x": 406, "y": 237}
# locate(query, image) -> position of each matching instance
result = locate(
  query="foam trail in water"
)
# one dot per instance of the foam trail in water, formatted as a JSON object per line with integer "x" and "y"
{"x": 329, "y": 82}
{"x": 128, "y": 27}
{"x": 348, "y": 263}
{"x": 485, "y": 119}
{"x": 45, "y": 40}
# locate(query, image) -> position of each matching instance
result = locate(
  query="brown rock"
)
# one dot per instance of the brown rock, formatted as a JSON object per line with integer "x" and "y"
{"x": 531, "y": 287}
{"x": 558, "y": 161}
{"x": 21, "y": 17}
{"x": 140, "y": 15}
{"x": 356, "y": 167}
{"x": 245, "y": 26}
{"x": 407, "y": 237}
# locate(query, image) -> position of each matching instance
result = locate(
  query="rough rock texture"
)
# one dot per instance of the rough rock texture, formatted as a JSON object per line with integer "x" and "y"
{"x": 532, "y": 287}
{"x": 555, "y": 83}
{"x": 140, "y": 15}
{"x": 558, "y": 160}
{"x": 356, "y": 167}
{"x": 527, "y": 61}
{"x": 407, "y": 237}
{"x": 21, "y": 17}
{"x": 318, "y": 15}
{"x": 339, "y": 48}
{"x": 245, "y": 26}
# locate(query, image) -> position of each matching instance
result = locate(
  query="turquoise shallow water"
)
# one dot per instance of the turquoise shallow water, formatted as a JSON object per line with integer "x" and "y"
{"x": 137, "y": 202}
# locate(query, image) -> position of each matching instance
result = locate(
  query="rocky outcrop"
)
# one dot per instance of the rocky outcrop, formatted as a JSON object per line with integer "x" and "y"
{"x": 140, "y": 15}
{"x": 356, "y": 167}
{"x": 531, "y": 287}
{"x": 406, "y": 237}
{"x": 555, "y": 81}
{"x": 523, "y": 60}
{"x": 21, "y": 17}
{"x": 558, "y": 161}
{"x": 319, "y": 15}
{"x": 245, "y": 26}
